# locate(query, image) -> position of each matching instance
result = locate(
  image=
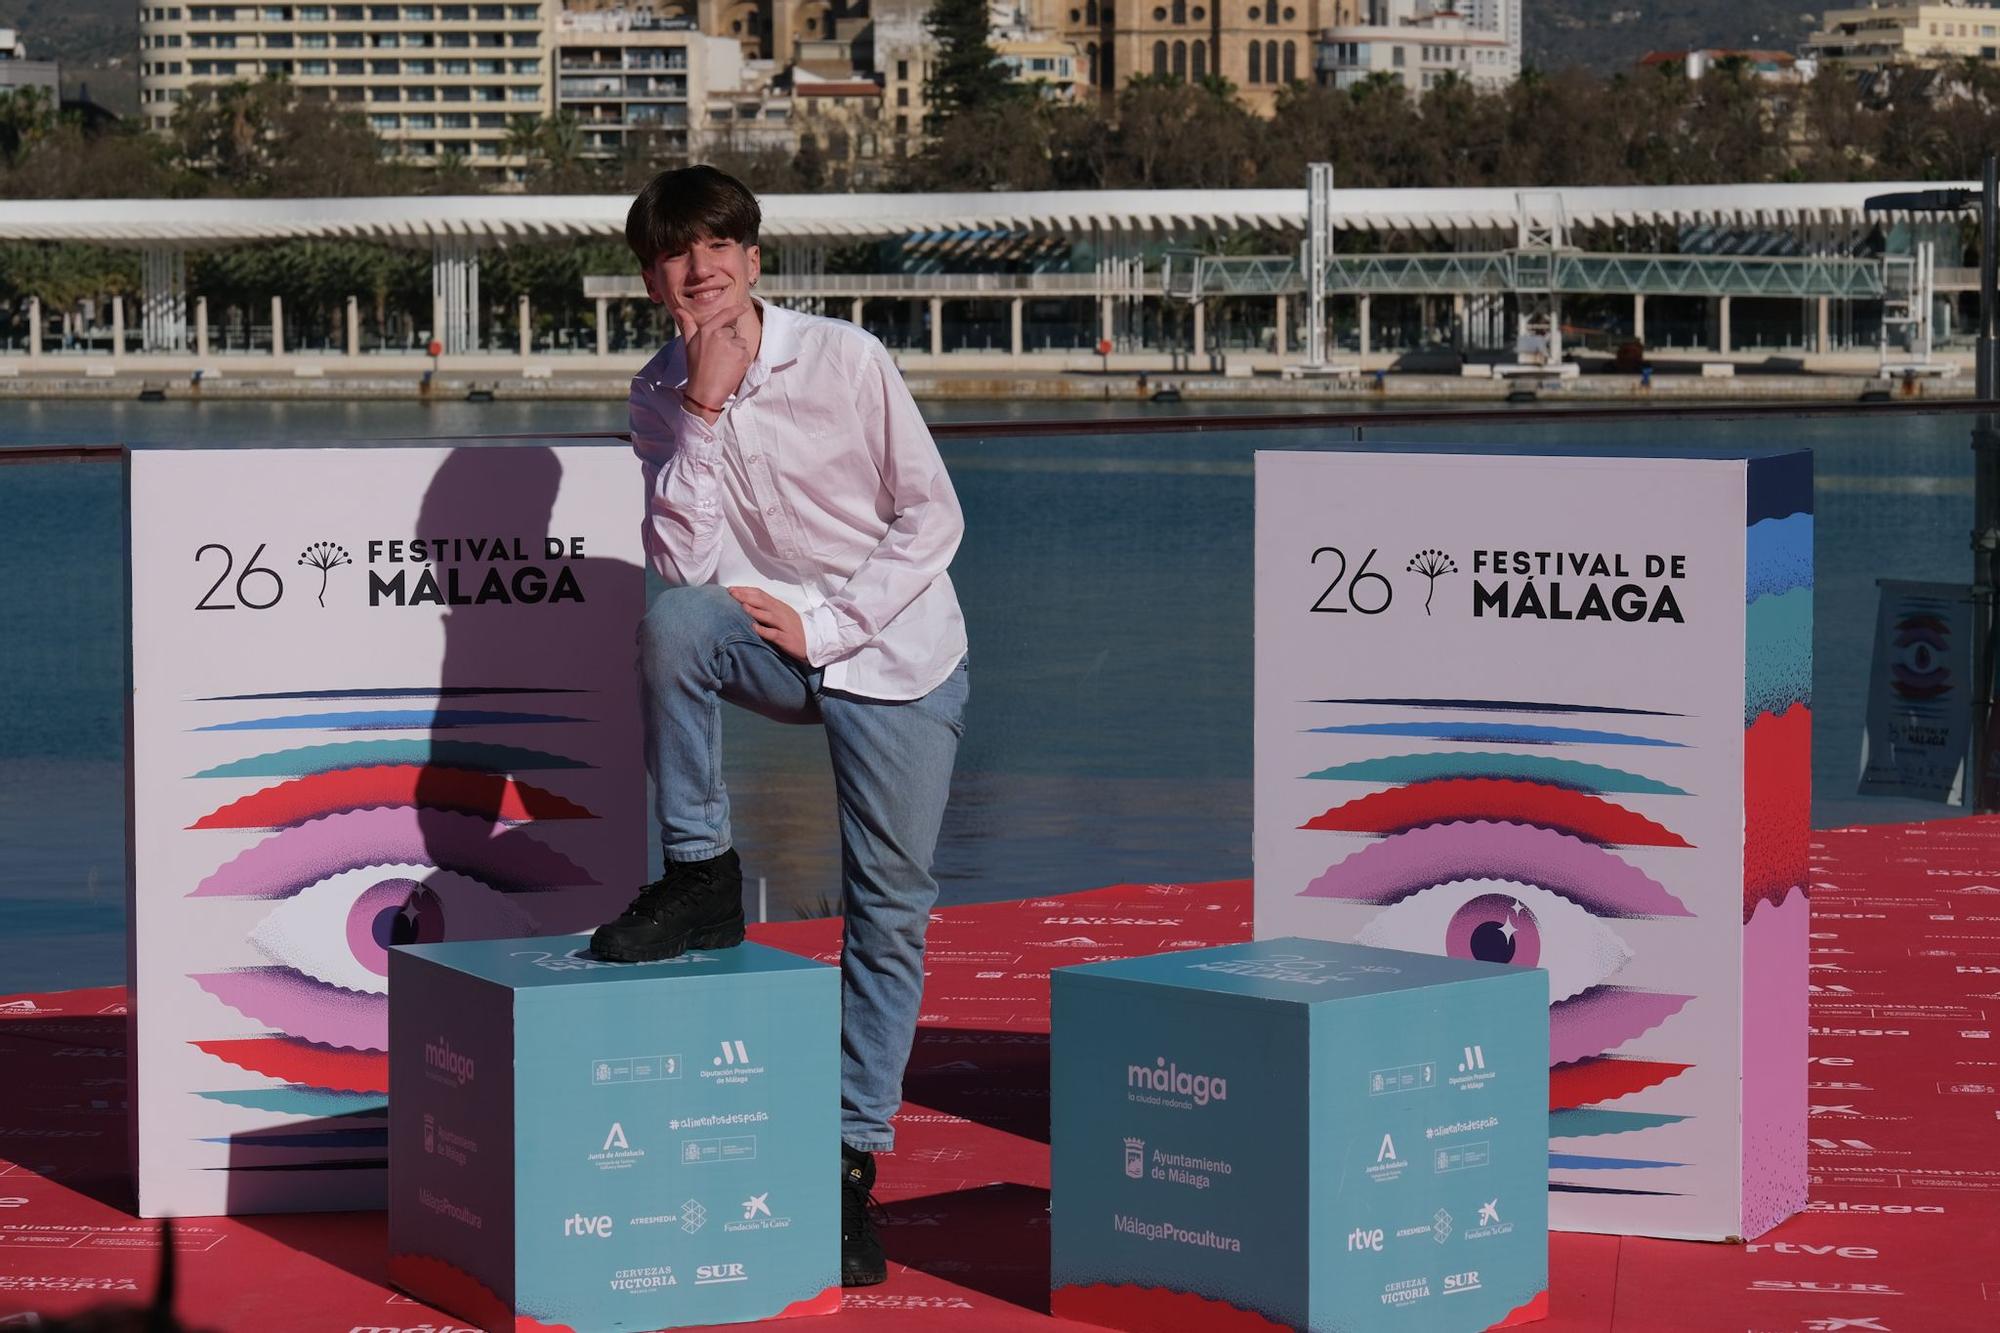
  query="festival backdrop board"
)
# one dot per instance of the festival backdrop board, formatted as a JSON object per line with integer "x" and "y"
{"x": 378, "y": 695}
{"x": 1554, "y": 711}
{"x": 1918, "y": 737}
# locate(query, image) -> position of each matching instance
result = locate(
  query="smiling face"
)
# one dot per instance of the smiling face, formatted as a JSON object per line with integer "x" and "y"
{"x": 712, "y": 274}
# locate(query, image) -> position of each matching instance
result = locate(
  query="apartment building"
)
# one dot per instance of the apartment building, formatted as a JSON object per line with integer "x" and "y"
{"x": 628, "y": 75}
{"x": 1420, "y": 46}
{"x": 432, "y": 79}
{"x": 17, "y": 71}
{"x": 1906, "y": 35}
{"x": 1259, "y": 46}
{"x": 903, "y": 51}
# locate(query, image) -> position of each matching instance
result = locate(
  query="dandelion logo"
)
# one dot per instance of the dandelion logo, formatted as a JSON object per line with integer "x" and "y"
{"x": 1431, "y": 564}
{"x": 325, "y": 557}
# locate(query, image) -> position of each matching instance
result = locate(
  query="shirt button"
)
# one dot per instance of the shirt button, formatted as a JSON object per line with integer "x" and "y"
{"x": 772, "y": 511}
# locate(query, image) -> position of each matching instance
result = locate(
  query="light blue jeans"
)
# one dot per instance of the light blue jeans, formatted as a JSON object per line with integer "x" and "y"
{"x": 891, "y": 772}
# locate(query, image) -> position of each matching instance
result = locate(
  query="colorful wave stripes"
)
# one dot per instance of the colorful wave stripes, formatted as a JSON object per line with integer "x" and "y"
{"x": 1604, "y": 1018}
{"x": 1496, "y": 800}
{"x": 1390, "y": 870}
{"x": 389, "y": 719}
{"x": 491, "y": 796}
{"x": 1534, "y": 819}
{"x": 375, "y": 840}
{"x": 1606, "y": 1078}
{"x": 1777, "y": 806}
{"x": 1591, "y": 1122}
{"x": 286, "y": 862}
{"x": 305, "y": 759}
{"x": 1504, "y": 733}
{"x": 281, "y": 998}
{"x": 1547, "y": 770}
{"x": 1777, "y": 700}
{"x": 303, "y": 1063}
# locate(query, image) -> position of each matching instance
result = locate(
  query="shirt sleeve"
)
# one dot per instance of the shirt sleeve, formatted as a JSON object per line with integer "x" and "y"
{"x": 924, "y": 534}
{"x": 679, "y": 453}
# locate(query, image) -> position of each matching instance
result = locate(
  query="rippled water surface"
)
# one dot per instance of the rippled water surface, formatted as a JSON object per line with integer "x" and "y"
{"x": 1105, "y": 578}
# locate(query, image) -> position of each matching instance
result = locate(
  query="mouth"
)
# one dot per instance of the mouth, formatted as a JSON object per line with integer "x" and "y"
{"x": 706, "y": 299}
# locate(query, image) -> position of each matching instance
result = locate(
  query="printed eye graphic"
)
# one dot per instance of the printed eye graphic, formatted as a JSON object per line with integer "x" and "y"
{"x": 1918, "y": 669}
{"x": 1590, "y": 877}
{"x": 1504, "y": 921}
{"x": 339, "y": 930}
{"x": 355, "y": 883}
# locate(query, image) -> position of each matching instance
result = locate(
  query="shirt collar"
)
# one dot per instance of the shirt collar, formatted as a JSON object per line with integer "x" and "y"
{"x": 778, "y": 347}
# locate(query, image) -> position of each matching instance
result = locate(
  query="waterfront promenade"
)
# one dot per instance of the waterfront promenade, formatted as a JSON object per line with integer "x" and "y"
{"x": 963, "y": 378}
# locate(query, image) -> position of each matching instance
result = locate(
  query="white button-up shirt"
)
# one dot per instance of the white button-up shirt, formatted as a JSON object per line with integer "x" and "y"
{"x": 820, "y": 484}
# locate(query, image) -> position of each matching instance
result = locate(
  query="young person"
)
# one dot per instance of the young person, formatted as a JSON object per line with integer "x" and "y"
{"x": 798, "y": 504}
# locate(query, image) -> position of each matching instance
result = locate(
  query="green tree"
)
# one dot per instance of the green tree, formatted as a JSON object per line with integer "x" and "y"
{"x": 247, "y": 139}
{"x": 966, "y": 73}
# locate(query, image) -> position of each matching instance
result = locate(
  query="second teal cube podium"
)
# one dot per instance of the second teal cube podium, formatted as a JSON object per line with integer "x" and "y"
{"x": 601, "y": 1147}
{"x": 1299, "y": 1134}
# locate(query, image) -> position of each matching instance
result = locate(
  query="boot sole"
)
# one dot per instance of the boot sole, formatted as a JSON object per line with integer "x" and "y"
{"x": 707, "y": 937}
{"x": 856, "y": 1278}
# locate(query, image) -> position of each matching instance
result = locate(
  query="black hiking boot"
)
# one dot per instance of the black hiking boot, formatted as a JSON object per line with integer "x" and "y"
{"x": 861, "y": 1260}
{"x": 694, "y": 905}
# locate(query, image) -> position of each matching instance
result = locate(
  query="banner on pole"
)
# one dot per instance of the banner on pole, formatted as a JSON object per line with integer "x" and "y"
{"x": 1919, "y": 730}
{"x": 378, "y": 696}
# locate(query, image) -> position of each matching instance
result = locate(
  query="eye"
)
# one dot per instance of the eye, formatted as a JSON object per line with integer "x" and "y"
{"x": 287, "y": 862}
{"x": 339, "y": 930}
{"x": 1918, "y": 669}
{"x": 1504, "y": 921}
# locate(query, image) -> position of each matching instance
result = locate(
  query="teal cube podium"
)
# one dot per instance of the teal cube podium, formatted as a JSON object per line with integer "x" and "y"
{"x": 1299, "y": 1134}
{"x": 593, "y": 1147}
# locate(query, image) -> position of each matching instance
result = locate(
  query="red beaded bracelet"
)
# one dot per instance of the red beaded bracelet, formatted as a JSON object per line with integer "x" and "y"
{"x": 691, "y": 402}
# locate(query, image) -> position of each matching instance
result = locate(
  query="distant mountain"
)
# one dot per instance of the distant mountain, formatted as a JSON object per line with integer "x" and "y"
{"x": 97, "y": 42}
{"x": 1611, "y": 35}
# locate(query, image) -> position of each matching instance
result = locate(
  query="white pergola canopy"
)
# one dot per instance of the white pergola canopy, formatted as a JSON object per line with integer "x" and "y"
{"x": 818, "y": 219}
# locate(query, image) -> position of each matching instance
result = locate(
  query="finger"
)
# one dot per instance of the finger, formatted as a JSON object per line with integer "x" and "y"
{"x": 683, "y": 319}
{"x": 747, "y": 595}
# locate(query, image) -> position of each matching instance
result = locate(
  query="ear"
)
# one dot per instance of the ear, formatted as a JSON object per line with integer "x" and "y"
{"x": 755, "y": 256}
{"x": 650, "y": 276}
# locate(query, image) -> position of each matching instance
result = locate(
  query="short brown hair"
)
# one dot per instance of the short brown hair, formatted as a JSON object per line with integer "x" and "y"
{"x": 676, "y": 208}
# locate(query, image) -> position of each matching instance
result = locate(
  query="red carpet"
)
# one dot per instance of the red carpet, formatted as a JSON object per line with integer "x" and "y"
{"x": 1904, "y": 1235}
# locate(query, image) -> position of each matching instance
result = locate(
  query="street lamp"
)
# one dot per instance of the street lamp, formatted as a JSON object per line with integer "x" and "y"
{"x": 1985, "y": 457}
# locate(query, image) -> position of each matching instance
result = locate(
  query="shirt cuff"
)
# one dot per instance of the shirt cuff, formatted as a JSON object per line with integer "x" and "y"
{"x": 823, "y": 637}
{"x": 697, "y": 437}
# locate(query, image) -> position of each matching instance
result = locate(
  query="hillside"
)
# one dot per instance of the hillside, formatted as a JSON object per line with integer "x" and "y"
{"x": 97, "y": 42}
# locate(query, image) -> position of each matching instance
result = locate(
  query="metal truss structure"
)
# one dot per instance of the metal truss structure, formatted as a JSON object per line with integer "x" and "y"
{"x": 1569, "y": 273}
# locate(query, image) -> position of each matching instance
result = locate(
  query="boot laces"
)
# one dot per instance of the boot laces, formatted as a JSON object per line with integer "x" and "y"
{"x": 858, "y": 1205}
{"x": 697, "y": 878}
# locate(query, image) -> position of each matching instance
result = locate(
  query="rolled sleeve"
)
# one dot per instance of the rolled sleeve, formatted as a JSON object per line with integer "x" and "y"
{"x": 679, "y": 454}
